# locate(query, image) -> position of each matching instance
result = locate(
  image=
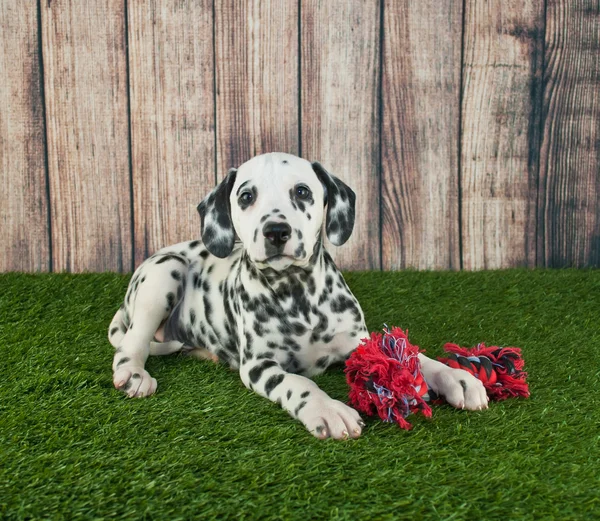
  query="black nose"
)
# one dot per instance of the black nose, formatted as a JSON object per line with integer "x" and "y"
{"x": 277, "y": 233}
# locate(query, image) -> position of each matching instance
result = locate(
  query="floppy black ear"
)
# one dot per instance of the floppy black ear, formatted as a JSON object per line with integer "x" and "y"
{"x": 340, "y": 200}
{"x": 218, "y": 234}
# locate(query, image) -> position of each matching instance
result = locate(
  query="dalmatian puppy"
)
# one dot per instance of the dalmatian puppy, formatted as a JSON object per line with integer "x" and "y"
{"x": 260, "y": 293}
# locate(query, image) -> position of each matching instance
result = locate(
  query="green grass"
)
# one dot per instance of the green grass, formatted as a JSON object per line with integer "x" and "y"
{"x": 204, "y": 447}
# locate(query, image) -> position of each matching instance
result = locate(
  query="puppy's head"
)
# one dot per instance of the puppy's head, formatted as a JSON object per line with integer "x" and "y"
{"x": 275, "y": 203}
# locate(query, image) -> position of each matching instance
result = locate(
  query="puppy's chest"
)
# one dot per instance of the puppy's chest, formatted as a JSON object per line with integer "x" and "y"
{"x": 298, "y": 321}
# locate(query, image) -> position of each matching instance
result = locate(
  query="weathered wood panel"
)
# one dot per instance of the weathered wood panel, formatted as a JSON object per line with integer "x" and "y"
{"x": 256, "y": 48}
{"x": 85, "y": 80}
{"x": 503, "y": 60}
{"x": 420, "y": 134}
{"x": 569, "y": 189}
{"x": 172, "y": 118}
{"x": 24, "y": 226}
{"x": 340, "y": 52}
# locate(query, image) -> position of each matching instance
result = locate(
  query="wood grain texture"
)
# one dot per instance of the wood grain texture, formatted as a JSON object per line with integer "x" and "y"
{"x": 85, "y": 78}
{"x": 503, "y": 60}
{"x": 569, "y": 189}
{"x": 340, "y": 83}
{"x": 172, "y": 119}
{"x": 257, "y": 79}
{"x": 24, "y": 225}
{"x": 420, "y": 134}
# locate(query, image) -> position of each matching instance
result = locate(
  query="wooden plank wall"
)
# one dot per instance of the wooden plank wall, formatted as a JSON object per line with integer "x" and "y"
{"x": 469, "y": 130}
{"x": 420, "y": 134}
{"x": 171, "y": 85}
{"x": 502, "y": 68}
{"x": 24, "y": 207}
{"x": 85, "y": 82}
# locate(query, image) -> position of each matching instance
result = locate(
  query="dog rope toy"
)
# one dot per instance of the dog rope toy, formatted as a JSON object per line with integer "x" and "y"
{"x": 385, "y": 378}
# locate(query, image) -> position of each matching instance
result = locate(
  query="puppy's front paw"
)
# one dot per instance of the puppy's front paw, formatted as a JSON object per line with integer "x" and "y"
{"x": 328, "y": 418}
{"x": 460, "y": 389}
{"x": 135, "y": 382}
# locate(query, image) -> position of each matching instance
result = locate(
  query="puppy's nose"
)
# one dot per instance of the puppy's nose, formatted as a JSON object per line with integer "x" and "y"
{"x": 277, "y": 233}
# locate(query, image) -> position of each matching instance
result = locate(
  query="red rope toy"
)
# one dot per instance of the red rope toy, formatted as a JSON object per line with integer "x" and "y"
{"x": 384, "y": 375}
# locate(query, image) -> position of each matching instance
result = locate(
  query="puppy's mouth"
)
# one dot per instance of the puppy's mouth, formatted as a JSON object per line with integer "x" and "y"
{"x": 278, "y": 262}
{"x": 278, "y": 257}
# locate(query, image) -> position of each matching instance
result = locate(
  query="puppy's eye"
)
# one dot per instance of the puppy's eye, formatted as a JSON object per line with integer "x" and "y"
{"x": 302, "y": 192}
{"x": 246, "y": 198}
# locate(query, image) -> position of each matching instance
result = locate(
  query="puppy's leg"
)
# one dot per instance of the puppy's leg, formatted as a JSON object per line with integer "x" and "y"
{"x": 323, "y": 416}
{"x": 151, "y": 303}
{"x": 460, "y": 388}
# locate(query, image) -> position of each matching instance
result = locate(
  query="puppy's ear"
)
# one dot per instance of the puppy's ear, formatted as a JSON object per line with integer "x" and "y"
{"x": 340, "y": 201}
{"x": 218, "y": 234}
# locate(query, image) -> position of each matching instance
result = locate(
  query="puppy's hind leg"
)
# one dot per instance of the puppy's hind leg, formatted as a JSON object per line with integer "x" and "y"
{"x": 152, "y": 303}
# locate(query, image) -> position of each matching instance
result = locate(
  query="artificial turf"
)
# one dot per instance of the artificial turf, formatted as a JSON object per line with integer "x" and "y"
{"x": 204, "y": 447}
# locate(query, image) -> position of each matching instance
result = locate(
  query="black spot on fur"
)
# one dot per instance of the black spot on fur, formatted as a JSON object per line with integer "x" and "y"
{"x": 196, "y": 281}
{"x": 299, "y": 252}
{"x": 289, "y": 343}
{"x": 256, "y": 372}
{"x": 123, "y": 361}
{"x": 170, "y": 300}
{"x": 298, "y": 328}
{"x": 273, "y": 382}
{"x": 322, "y": 362}
{"x": 343, "y": 303}
{"x": 299, "y": 408}
{"x": 258, "y": 328}
{"x": 207, "y": 309}
{"x": 167, "y": 257}
{"x": 310, "y": 282}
